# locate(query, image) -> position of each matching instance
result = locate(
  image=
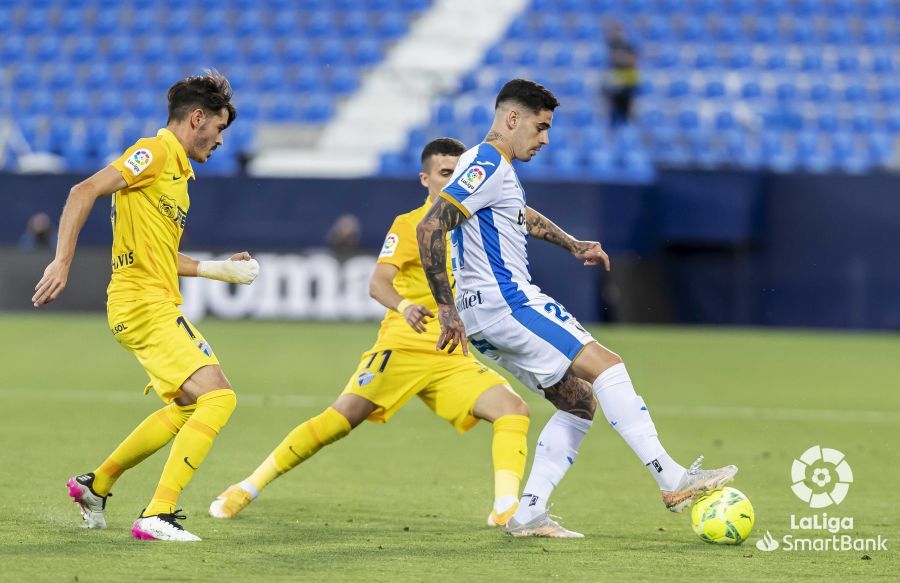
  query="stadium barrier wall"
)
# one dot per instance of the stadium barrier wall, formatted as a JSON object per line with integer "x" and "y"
{"x": 695, "y": 247}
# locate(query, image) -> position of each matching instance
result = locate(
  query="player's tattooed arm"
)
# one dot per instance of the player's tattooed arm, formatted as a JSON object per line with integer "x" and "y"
{"x": 572, "y": 395}
{"x": 540, "y": 227}
{"x": 432, "y": 236}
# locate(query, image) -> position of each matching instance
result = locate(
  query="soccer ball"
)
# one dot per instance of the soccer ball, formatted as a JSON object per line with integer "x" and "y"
{"x": 723, "y": 517}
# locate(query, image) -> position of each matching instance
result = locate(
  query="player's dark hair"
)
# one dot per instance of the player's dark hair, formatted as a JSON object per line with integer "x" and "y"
{"x": 532, "y": 95}
{"x": 211, "y": 91}
{"x": 442, "y": 146}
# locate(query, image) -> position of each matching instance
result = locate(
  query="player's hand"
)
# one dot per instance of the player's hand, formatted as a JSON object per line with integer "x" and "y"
{"x": 453, "y": 331}
{"x": 592, "y": 253}
{"x": 56, "y": 275}
{"x": 242, "y": 256}
{"x": 239, "y": 268}
{"x": 416, "y": 316}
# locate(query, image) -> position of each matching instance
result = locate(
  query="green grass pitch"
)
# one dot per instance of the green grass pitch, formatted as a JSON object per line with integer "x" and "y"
{"x": 408, "y": 500}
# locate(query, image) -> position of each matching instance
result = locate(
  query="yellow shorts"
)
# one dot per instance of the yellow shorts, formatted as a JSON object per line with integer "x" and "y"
{"x": 448, "y": 384}
{"x": 166, "y": 344}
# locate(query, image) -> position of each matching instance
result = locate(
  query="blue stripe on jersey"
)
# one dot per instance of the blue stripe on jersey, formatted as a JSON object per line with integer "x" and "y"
{"x": 559, "y": 337}
{"x": 490, "y": 239}
{"x": 480, "y": 169}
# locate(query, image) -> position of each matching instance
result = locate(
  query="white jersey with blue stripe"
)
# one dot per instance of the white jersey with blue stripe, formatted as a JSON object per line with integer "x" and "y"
{"x": 490, "y": 249}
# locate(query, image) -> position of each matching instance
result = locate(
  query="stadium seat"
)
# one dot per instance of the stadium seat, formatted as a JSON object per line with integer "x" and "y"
{"x": 317, "y": 110}
{"x": 250, "y": 24}
{"x": 14, "y": 48}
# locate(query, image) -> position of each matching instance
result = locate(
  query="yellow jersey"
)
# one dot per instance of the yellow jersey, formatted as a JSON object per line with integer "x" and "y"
{"x": 148, "y": 218}
{"x": 401, "y": 249}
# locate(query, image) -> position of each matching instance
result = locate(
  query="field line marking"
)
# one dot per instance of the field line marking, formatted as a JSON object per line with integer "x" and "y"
{"x": 683, "y": 411}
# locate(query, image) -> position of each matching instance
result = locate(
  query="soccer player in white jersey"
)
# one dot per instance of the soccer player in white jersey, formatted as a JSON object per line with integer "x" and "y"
{"x": 512, "y": 322}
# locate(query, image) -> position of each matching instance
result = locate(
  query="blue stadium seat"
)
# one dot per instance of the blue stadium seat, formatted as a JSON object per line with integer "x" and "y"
{"x": 480, "y": 116}
{"x": 47, "y": 50}
{"x": 889, "y": 93}
{"x": 62, "y": 78}
{"x": 882, "y": 62}
{"x": 355, "y": 24}
{"x": 751, "y": 90}
{"x": 330, "y": 51}
{"x": 343, "y": 80}
{"x": 282, "y": 108}
{"x": 83, "y": 49}
{"x": 42, "y": 104}
{"x": 70, "y": 22}
{"x": 317, "y": 110}
{"x": 121, "y": 49}
{"x": 224, "y": 49}
{"x": 176, "y": 23}
{"x": 14, "y": 49}
{"x": 77, "y": 104}
{"x": 307, "y": 80}
{"x": 855, "y": 93}
{"x": 188, "y": 48}
{"x": 320, "y": 24}
{"x": 248, "y": 106}
{"x": 261, "y": 50}
{"x": 827, "y": 122}
{"x": 820, "y": 92}
{"x": 213, "y": 22}
{"x": 786, "y": 92}
{"x": 296, "y": 51}
{"x": 154, "y": 49}
{"x": 367, "y": 52}
{"x": 678, "y": 88}
{"x": 26, "y": 78}
{"x": 270, "y": 78}
{"x": 106, "y": 22}
{"x": 34, "y": 21}
{"x": 284, "y": 23}
{"x": 250, "y": 24}
{"x": 724, "y": 120}
{"x": 108, "y": 105}
{"x": 863, "y": 123}
{"x": 714, "y": 90}
{"x": 6, "y": 22}
{"x": 847, "y": 63}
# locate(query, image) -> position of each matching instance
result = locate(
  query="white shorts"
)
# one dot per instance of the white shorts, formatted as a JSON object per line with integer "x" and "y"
{"x": 537, "y": 342}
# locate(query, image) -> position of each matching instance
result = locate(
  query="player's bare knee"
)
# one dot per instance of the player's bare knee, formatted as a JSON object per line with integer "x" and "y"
{"x": 353, "y": 408}
{"x": 572, "y": 395}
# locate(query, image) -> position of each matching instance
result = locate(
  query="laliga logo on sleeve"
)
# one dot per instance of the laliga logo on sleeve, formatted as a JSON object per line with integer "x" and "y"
{"x": 139, "y": 161}
{"x": 821, "y": 477}
{"x": 472, "y": 178}
{"x": 390, "y": 245}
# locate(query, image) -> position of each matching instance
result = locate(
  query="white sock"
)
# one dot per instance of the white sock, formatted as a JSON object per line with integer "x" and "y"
{"x": 626, "y": 412}
{"x": 555, "y": 452}
{"x": 249, "y": 488}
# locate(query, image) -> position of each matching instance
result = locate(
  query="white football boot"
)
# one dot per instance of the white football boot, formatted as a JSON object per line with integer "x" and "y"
{"x": 162, "y": 527}
{"x": 696, "y": 483}
{"x": 541, "y": 525}
{"x": 230, "y": 502}
{"x": 81, "y": 490}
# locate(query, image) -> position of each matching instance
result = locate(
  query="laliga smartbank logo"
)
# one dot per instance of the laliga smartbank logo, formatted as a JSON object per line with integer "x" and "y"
{"x": 821, "y": 477}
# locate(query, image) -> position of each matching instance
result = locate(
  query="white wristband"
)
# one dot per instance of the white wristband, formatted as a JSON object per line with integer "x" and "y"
{"x": 244, "y": 271}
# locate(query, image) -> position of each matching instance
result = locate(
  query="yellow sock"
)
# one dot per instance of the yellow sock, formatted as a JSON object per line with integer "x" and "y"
{"x": 300, "y": 445}
{"x": 190, "y": 448}
{"x": 509, "y": 451}
{"x": 154, "y": 432}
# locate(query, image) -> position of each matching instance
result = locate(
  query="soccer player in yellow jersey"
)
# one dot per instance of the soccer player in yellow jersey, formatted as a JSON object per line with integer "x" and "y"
{"x": 149, "y": 209}
{"x": 403, "y": 364}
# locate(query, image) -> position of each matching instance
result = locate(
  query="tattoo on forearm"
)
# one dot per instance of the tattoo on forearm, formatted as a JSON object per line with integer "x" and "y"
{"x": 540, "y": 227}
{"x": 572, "y": 395}
{"x": 432, "y": 236}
